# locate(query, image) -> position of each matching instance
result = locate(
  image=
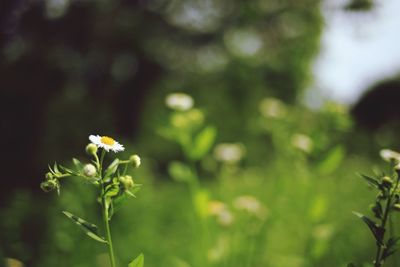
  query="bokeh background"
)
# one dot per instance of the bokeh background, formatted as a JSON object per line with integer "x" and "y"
{"x": 264, "y": 73}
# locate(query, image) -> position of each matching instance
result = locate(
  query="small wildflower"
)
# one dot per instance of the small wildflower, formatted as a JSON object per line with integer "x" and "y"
{"x": 215, "y": 207}
{"x": 229, "y": 152}
{"x": 302, "y": 142}
{"x": 247, "y": 203}
{"x": 225, "y": 217}
{"x": 91, "y": 149}
{"x": 179, "y": 101}
{"x": 272, "y": 107}
{"x": 135, "y": 161}
{"x": 389, "y": 155}
{"x": 89, "y": 170}
{"x": 107, "y": 143}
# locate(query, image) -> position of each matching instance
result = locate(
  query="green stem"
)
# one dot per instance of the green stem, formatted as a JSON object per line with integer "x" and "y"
{"x": 108, "y": 233}
{"x": 378, "y": 256}
{"x": 105, "y": 212}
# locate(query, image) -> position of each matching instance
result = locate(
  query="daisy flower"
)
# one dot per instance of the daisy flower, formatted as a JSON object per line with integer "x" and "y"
{"x": 107, "y": 143}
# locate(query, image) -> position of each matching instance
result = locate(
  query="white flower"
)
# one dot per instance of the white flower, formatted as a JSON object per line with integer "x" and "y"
{"x": 302, "y": 142}
{"x": 389, "y": 155}
{"x": 247, "y": 203}
{"x": 272, "y": 107}
{"x": 229, "y": 152}
{"x": 107, "y": 143}
{"x": 179, "y": 101}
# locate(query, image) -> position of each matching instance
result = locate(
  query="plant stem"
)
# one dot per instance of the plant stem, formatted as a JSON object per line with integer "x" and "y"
{"x": 105, "y": 212}
{"x": 108, "y": 233}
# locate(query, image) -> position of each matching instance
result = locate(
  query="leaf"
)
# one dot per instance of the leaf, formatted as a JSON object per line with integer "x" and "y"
{"x": 180, "y": 172}
{"x": 90, "y": 229}
{"x": 351, "y": 265}
{"x": 77, "y": 163}
{"x": 203, "y": 143}
{"x": 376, "y": 230}
{"x": 55, "y": 168}
{"x": 112, "y": 168}
{"x": 138, "y": 262}
{"x": 332, "y": 160}
{"x": 371, "y": 181}
{"x": 390, "y": 247}
{"x": 69, "y": 171}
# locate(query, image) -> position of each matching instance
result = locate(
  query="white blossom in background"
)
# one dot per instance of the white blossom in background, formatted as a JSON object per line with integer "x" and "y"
{"x": 179, "y": 101}
{"x": 389, "y": 155}
{"x": 229, "y": 152}
{"x": 249, "y": 204}
{"x": 302, "y": 142}
{"x": 272, "y": 107}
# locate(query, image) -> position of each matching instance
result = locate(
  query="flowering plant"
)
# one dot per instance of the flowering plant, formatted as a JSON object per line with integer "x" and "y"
{"x": 113, "y": 183}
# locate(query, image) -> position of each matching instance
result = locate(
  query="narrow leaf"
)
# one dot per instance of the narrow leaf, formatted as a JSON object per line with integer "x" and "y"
{"x": 371, "y": 181}
{"x": 376, "y": 230}
{"x": 138, "y": 262}
{"x": 77, "y": 163}
{"x": 89, "y": 228}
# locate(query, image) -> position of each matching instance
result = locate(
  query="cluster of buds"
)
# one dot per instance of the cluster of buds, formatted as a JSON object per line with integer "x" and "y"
{"x": 93, "y": 172}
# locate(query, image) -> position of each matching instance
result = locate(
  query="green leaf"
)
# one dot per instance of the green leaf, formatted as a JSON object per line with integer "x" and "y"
{"x": 391, "y": 247}
{"x": 376, "y": 230}
{"x": 332, "y": 160}
{"x": 55, "y": 168}
{"x": 351, "y": 265}
{"x": 180, "y": 172}
{"x": 90, "y": 229}
{"x": 138, "y": 262}
{"x": 77, "y": 163}
{"x": 112, "y": 168}
{"x": 203, "y": 143}
{"x": 69, "y": 171}
{"x": 371, "y": 181}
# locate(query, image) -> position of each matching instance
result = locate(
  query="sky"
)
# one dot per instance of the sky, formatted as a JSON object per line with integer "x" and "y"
{"x": 357, "y": 50}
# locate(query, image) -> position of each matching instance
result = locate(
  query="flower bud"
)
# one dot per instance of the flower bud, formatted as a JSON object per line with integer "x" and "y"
{"x": 396, "y": 206}
{"x": 49, "y": 185}
{"x": 135, "y": 161}
{"x": 397, "y": 167}
{"x": 126, "y": 181}
{"x": 49, "y": 176}
{"x": 387, "y": 181}
{"x": 91, "y": 149}
{"x": 89, "y": 170}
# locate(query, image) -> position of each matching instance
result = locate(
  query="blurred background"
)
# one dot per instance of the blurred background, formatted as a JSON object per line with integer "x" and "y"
{"x": 306, "y": 89}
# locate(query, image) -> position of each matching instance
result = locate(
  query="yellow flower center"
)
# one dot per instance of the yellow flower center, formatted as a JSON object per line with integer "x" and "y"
{"x": 107, "y": 140}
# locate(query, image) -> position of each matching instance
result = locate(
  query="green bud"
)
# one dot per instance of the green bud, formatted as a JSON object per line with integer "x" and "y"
{"x": 126, "y": 181}
{"x": 49, "y": 185}
{"x": 387, "y": 181}
{"x": 49, "y": 176}
{"x": 135, "y": 161}
{"x": 397, "y": 167}
{"x": 396, "y": 206}
{"x": 89, "y": 170}
{"x": 91, "y": 149}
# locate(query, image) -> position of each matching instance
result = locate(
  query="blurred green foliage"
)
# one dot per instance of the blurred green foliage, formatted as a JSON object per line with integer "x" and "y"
{"x": 94, "y": 67}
